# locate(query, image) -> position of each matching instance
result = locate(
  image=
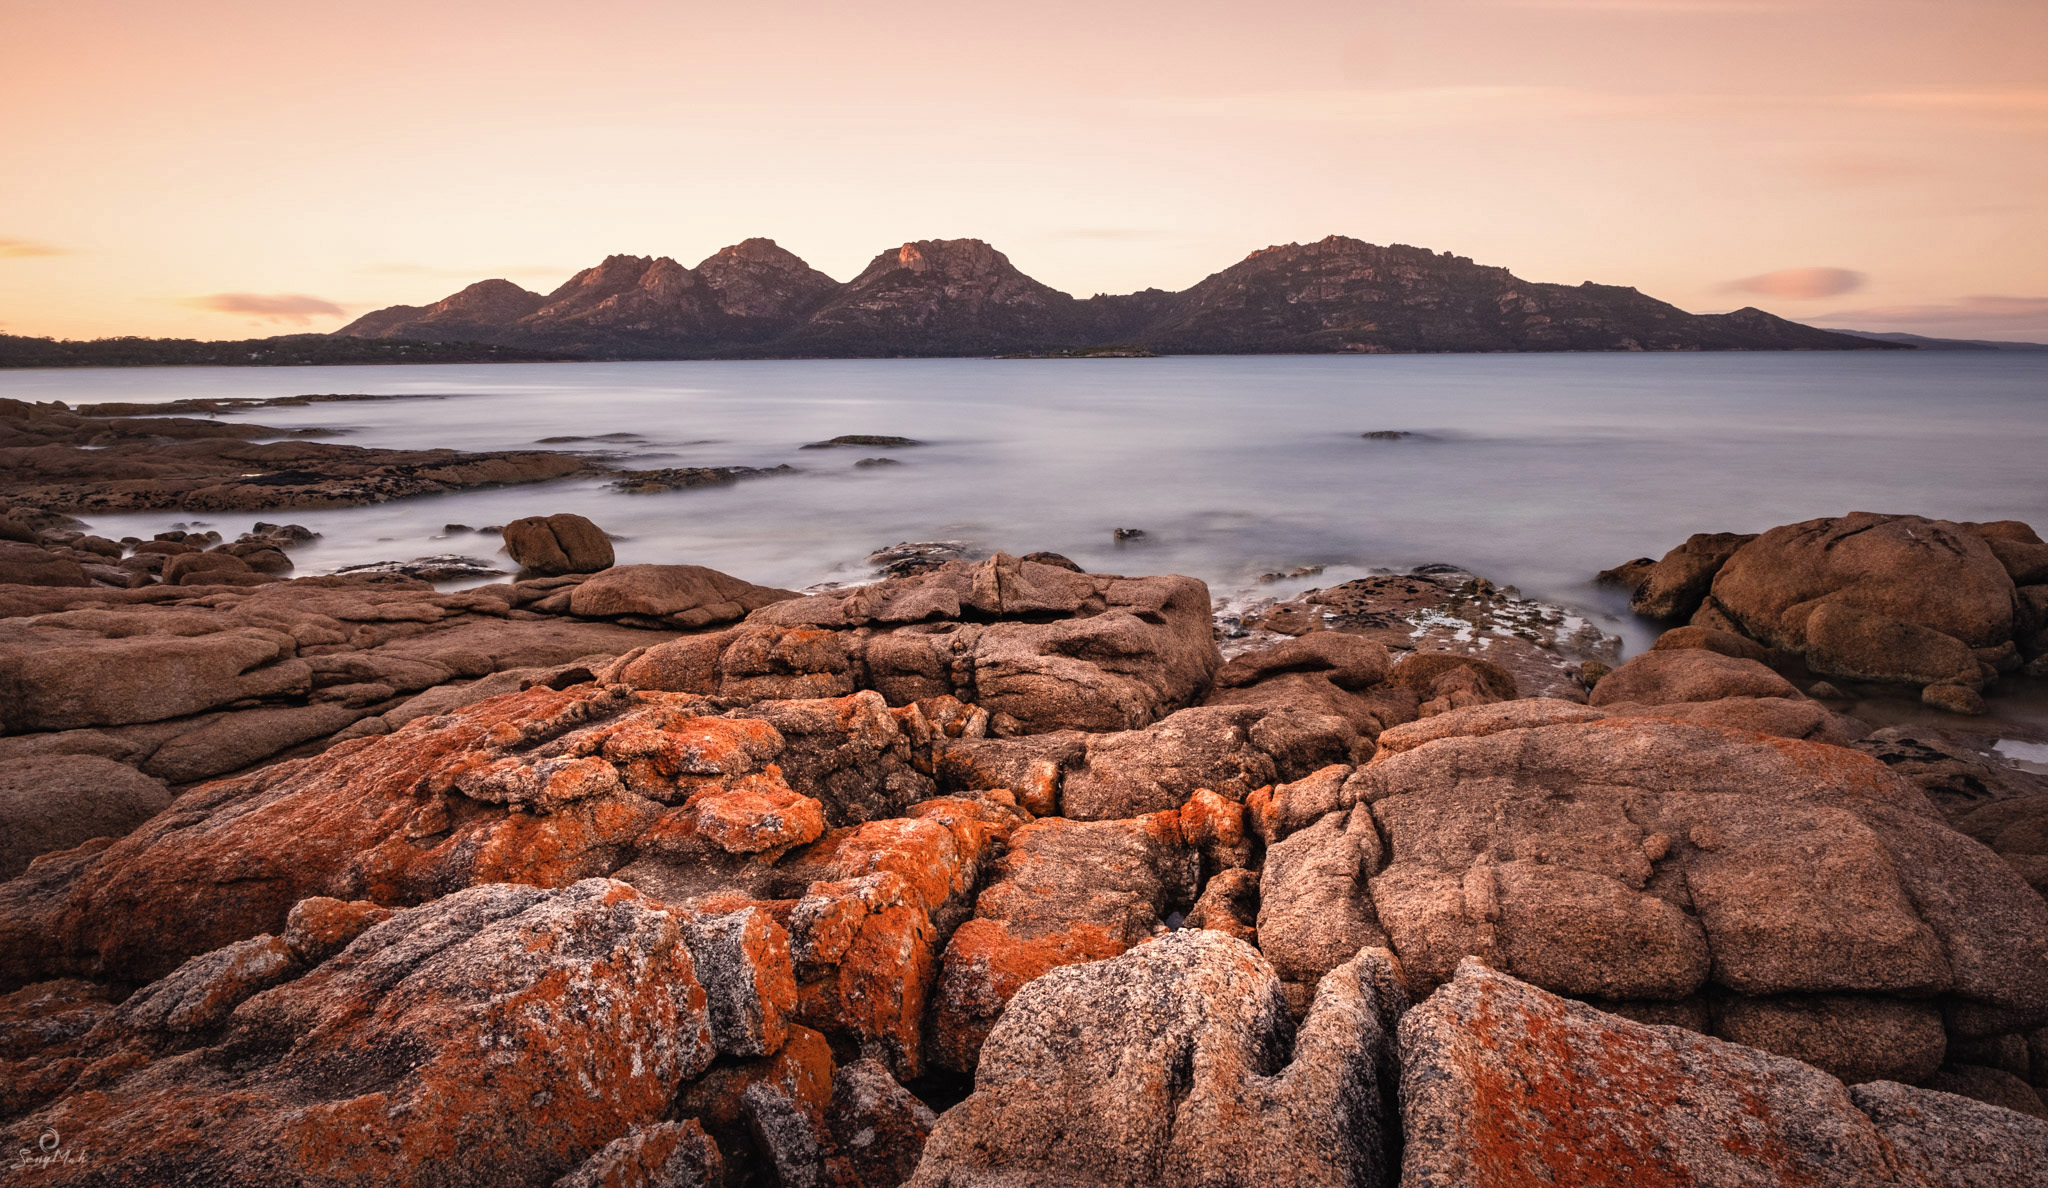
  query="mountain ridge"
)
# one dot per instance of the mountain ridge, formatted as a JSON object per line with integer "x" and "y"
{"x": 950, "y": 297}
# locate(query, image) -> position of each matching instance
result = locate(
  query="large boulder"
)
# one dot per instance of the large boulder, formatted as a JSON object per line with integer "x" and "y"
{"x": 1897, "y": 599}
{"x": 1844, "y": 640}
{"x": 1929, "y": 573}
{"x": 561, "y": 543}
{"x": 1170, "y": 1066}
{"x": 1313, "y": 908}
{"x": 1640, "y": 860}
{"x": 1502, "y": 1083}
{"x": 500, "y": 1035}
{"x": 200, "y": 569}
{"x": 55, "y": 802}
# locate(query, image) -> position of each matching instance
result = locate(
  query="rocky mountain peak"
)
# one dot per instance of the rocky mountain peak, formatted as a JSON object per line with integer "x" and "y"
{"x": 961, "y": 258}
{"x": 963, "y": 297}
{"x": 614, "y": 275}
{"x": 489, "y": 300}
{"x": 760, "y": 281}
{"x": 757, "y": 250}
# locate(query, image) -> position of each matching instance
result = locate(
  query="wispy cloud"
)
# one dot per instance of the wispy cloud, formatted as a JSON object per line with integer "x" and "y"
{"x": 1986, "y": 315}
{"x": 27, "y": 249}
{"x": 295, "y": 309}
{"x": 1800, "y": 284}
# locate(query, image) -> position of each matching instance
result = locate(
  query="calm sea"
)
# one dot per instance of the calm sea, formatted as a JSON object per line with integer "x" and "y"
{"x": 1534, "y": 470}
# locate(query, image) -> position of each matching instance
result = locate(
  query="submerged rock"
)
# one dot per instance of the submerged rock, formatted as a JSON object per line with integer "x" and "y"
{"x": 684, "y": 478}
{"x": 444, "y": 567}
{"x": 870, "y": 440}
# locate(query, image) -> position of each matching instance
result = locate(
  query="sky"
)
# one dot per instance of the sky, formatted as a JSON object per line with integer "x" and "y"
{"x": 227, "y": 169}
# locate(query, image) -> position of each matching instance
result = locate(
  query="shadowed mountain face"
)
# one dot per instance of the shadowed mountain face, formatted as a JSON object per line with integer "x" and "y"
{"x": 963, "y": 297}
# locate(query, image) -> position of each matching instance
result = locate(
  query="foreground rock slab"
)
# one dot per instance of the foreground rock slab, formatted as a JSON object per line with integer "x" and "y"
{"x": 1503, "y": 1084}
{"x": 365, "y": 1070}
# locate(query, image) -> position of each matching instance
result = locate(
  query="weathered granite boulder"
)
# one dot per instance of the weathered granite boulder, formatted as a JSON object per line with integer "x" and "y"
{"x": 1321, "y": 673}
{"x": 201, "y": 569}
{"x": 1479, "y": 721}
{"x": 1940, "y": 1138}
{"x": 1935, "y": 605}
{"x": 1044, "y": 647}
{"x": 1170, "y": 1065}
{"x": 561, "y": 543}
{"x": 1502, "y": 1083}
{"x": 1645, "y": 860}
{"x": 500, "y": 1035}
{"x": 1314, "y": 911}
{"x": 1928, "y": 573}
{"x": 541, "y": 787}
{"x": 663, "y": 1155}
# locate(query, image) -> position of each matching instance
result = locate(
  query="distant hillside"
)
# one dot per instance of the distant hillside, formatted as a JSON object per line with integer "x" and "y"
{"x": 1921, "y": 342}
{"x": 963, "y": 297}
{"x": 283, "y": 350}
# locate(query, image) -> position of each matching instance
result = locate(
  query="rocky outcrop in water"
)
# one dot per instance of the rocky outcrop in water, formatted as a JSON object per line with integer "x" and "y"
{"x": 147, "y": 463}
{"x": 991, "y": 873}
{"x": 1933, "y": 605}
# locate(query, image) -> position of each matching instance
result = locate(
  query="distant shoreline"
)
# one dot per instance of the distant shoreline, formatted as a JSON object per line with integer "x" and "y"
{"x": 320, "y": 350}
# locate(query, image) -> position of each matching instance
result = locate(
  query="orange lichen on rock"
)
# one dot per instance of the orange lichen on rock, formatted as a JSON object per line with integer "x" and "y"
{"x": 366, "y": 1070}
{"x": 1504, "y": 1085}
{"x": 1067, "y": 892}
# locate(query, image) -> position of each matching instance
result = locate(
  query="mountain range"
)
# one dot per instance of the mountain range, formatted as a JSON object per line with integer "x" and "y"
{"x": 963, "y": 297}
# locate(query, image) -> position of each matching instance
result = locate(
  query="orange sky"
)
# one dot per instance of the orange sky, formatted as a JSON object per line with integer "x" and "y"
{"x": 224, "y": 168}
